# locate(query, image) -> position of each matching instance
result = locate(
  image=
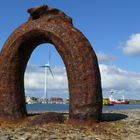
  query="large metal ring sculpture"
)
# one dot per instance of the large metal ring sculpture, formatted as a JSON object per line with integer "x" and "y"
{"x": 49, "y": 25}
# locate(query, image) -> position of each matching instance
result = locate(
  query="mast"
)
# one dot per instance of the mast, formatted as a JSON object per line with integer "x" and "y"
{"x": 45, "y": 83}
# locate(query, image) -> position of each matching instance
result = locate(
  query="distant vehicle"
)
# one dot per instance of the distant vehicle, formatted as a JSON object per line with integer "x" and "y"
{"x": 106, "y": 101}
{"x": 67, "y": 101}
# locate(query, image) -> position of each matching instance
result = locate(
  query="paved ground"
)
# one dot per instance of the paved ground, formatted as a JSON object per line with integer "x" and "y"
{"x": 116, "y": 125}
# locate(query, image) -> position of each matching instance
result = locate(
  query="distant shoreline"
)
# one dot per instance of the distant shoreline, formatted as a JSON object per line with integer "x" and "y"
{"x": 67, "y": 112}
{"x": 134, "y": 101}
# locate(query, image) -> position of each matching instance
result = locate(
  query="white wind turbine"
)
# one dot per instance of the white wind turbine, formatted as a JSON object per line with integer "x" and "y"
{"x": 48, "y": 69}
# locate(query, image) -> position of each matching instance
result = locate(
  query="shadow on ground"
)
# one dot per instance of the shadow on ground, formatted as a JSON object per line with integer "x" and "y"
{"x": 41, "y": 118}
{"x": 33, "y": 114}
{"x": 50, "y": 117}
{"x": 113, "y": 117}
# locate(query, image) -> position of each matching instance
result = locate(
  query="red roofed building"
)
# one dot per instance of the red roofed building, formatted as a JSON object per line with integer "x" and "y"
{"x": 56, "y": 100}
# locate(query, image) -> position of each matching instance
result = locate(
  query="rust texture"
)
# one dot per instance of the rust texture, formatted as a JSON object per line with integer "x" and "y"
{"x": 49, "y": 25}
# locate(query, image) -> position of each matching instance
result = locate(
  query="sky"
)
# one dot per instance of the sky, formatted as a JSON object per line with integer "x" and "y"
{"x": 111, "y": 26}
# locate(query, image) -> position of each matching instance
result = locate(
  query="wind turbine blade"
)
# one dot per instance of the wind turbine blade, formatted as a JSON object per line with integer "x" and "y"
{"x": 51, "y": 72}
{"x": 49, "y": 58}
{"x": 42, "y": 66}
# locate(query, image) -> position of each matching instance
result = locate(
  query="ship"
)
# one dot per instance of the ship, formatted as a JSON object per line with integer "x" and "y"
{"x": 118, "y": 101}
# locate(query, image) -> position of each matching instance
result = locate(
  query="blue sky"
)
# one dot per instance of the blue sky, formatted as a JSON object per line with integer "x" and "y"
{"x": 111, "y": 26}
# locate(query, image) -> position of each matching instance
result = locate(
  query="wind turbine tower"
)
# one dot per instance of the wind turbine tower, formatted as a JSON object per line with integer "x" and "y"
{"x": 48, "y": 69}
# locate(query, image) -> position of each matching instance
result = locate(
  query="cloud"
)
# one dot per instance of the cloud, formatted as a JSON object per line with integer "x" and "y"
{"x": 116, "y": 78}
{"x": 105, "y": 57}
{"x": 121, "y": 81}
{"x": 34, "y": 81}
{"x": 132, "y": 45}
{"x": 34, "y": 78}
{"x": 113, "y": 78}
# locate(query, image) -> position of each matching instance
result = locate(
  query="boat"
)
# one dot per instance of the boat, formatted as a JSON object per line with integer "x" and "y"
{"x": 118, "y": 101}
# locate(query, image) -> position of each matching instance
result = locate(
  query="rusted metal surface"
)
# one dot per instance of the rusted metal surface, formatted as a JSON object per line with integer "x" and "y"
{"x": 48, "y": 25}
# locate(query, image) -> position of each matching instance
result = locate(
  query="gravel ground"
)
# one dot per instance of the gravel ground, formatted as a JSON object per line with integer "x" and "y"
{"x": 116, "y": 125}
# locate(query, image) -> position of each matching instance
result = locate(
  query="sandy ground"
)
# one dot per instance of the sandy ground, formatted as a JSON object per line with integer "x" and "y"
{"x": 116, "y": 125}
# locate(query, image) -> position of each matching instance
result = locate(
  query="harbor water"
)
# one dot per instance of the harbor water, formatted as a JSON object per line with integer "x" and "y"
{"x": 65, "y": 107}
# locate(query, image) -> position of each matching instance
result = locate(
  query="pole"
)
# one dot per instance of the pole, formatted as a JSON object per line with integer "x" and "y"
{"x": 45, "y": 82}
